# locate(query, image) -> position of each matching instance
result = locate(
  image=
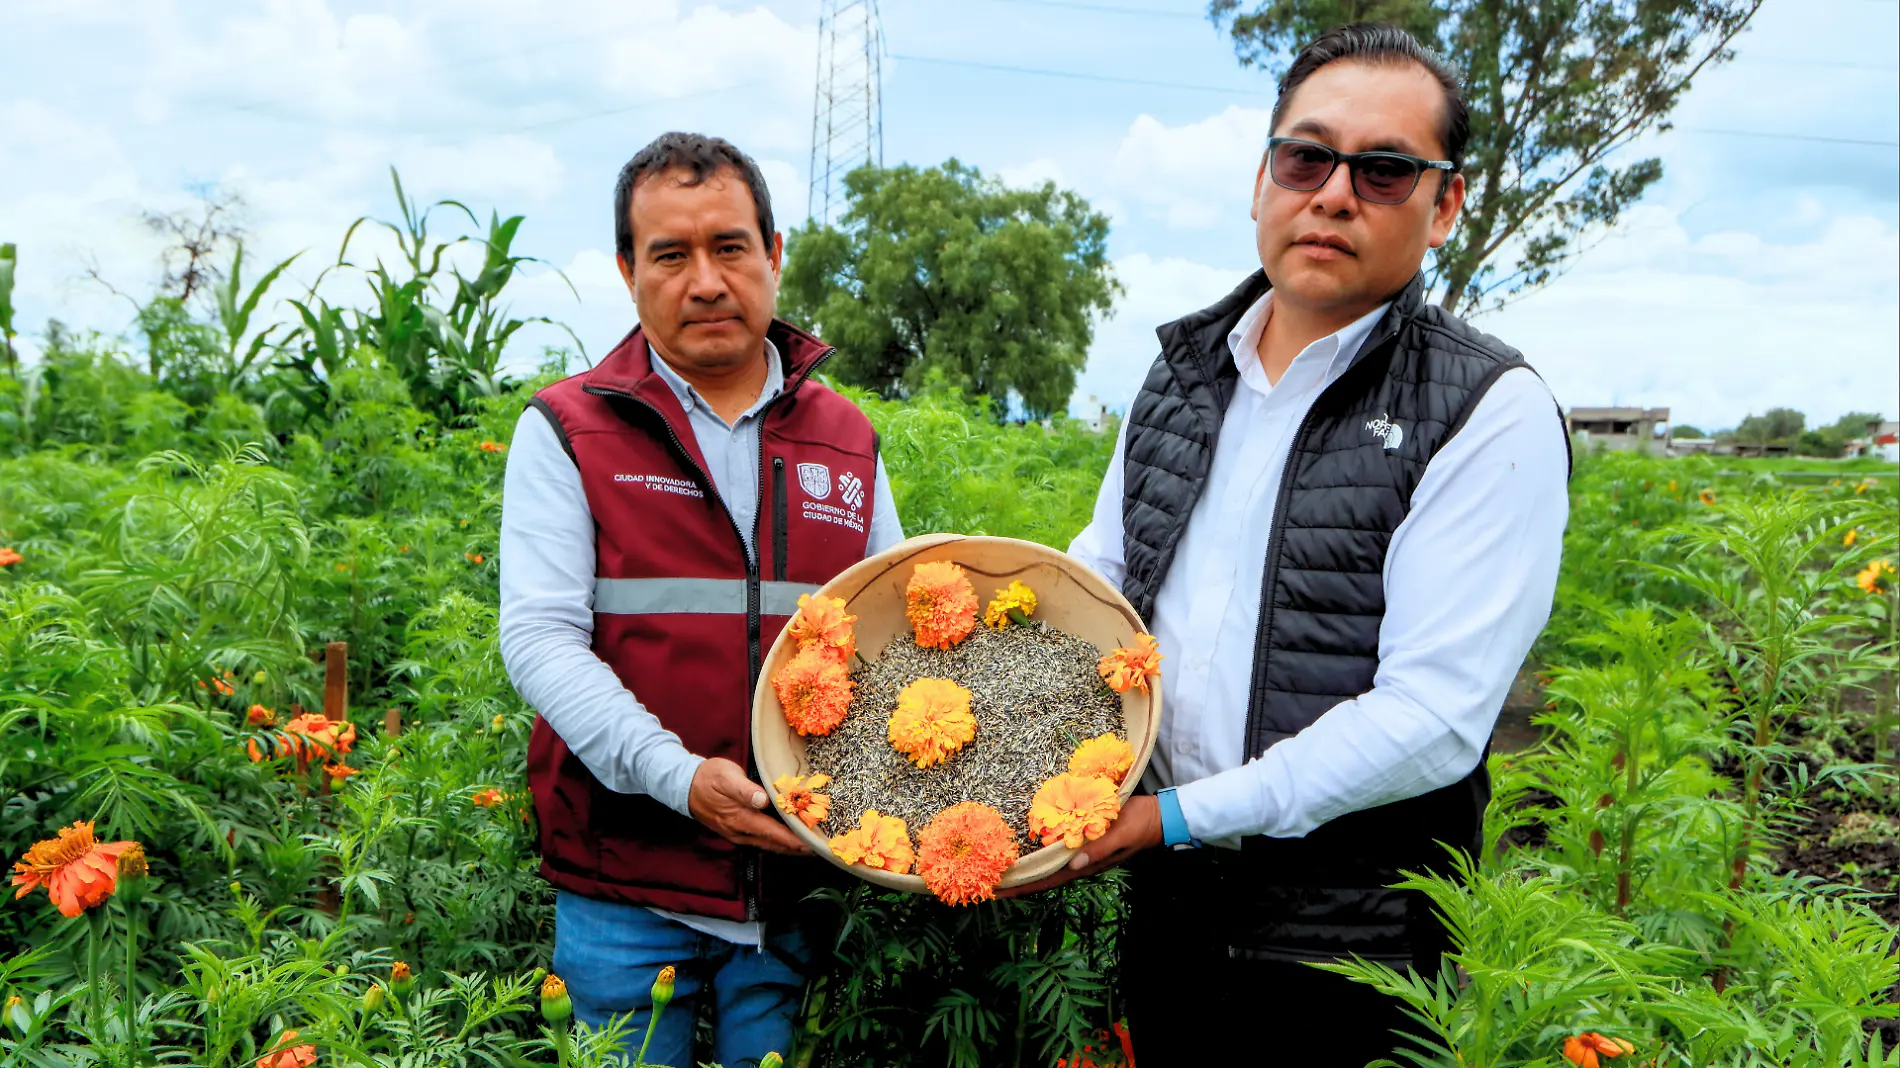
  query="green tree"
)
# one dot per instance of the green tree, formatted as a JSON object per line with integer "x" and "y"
{"x": 1555, "y": 89}
{"x": 1685, "y": 430}
{"x": 1776, "y": 425}
{"x": 942, "y": 269}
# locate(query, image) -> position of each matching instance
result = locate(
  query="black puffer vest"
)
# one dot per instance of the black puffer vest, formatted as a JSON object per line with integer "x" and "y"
{"x": 1355, "y": 460}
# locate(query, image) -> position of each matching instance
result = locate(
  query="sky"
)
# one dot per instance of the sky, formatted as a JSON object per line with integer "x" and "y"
{"x": 1762, "y": 271}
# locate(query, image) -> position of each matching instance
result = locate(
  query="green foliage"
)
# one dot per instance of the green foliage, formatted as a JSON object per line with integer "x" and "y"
{"x": 944, "y": 271}
{"x": 1554, "y": 93}
{"x": 9, "y": 264}
{"x": 1775, "y": 426}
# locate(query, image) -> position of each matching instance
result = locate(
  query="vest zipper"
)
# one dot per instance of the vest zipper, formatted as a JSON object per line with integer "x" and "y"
{"x": 1263, "y": 640}
{"x": 779, "y": 533}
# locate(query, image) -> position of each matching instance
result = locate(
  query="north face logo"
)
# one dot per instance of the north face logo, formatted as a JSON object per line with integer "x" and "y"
{"x": 815, "y": 480}
{"x": 1389, "y": 432}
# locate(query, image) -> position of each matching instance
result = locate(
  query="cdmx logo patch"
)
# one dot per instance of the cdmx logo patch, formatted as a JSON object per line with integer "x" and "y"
{"x": 851, "y": 490}
{"x": 815, "y": 480}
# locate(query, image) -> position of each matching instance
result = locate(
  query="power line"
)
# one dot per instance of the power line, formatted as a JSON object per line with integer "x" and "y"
{"x": 1079, "y": 76}
{"x": 1107, "y": 9}
{"x": 1790, "y": 136}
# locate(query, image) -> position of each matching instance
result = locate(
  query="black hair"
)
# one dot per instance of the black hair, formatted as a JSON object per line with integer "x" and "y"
{"x": 1383, "y": 43}
{"x": 701, "y": 157}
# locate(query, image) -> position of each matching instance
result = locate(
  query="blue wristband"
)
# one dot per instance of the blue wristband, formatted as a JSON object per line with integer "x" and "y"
{"x": 1174, "y": 825}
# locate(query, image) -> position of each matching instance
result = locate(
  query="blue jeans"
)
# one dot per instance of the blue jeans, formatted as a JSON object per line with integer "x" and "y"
{"x": 609, "y": 953}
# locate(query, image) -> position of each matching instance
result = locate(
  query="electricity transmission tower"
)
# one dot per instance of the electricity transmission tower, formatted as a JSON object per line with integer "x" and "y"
{"x": 847, "y": 115}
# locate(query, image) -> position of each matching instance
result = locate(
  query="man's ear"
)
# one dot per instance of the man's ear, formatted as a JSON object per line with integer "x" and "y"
{"x": 1253, "y": 209}
{"x": 1451, "y": 199}
{"x": 626, "y": 272}
{"x": 777, "y": 252}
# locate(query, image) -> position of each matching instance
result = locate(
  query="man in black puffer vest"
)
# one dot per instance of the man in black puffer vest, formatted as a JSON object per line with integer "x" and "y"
{"x": 1340, "y": 509}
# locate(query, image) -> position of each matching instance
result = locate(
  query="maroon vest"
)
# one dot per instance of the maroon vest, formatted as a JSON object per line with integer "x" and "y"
{"x": 683, "y": 618}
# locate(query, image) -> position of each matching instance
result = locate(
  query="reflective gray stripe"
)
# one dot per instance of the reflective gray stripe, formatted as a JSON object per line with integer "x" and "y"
{"x": 660, "y": 596}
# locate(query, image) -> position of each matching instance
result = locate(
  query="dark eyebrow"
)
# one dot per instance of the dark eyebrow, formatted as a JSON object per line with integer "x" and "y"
{"x": 1318, "y": 130}
{"x": 732, "y": 235}
{"x": 664, "y": 244}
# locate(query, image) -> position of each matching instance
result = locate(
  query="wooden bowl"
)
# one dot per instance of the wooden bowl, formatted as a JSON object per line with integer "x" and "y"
{"x": 1069, "y": 597}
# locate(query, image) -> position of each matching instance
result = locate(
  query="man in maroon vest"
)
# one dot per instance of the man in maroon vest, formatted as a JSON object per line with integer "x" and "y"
{"x": 661, "y": 515}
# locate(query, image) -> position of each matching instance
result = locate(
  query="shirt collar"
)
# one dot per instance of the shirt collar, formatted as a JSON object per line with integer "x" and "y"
{"x": 1340, "y": 349}
{"x": 689, "y": 397}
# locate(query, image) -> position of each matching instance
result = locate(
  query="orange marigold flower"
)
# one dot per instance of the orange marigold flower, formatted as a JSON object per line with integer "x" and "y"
{"x": 9, "y": 556}
{"x": 1871, "y": 576}
{"x": 1014, "y": 604}
{"x": 964, "y": 851}
{"x": 1073, "y": 809}
{"x": 932, "y": 721}
{"x": 312, "y": 735}
{"x": 1707, "y": 496}
{"x": 940, "y": 604}
{"x": 339, "y": 771}
{"x": 288, "y": 1053}
{"x": 488, "y": 798}
{"x": 1106, "y": 756}
{"x": 799, "y": 799}
{"x": 1129, "y": 668}
{"x": 77, "y": 870}
{"x": 814, "y": 691}
{"x": 259, "y": 716}
{"x": 493, "y": 446}
{"x": 821, "y": 623}
{"x": 1582, "y": 1050}
{"x": 473, "y": 558}
{"x": 878, "y": 841}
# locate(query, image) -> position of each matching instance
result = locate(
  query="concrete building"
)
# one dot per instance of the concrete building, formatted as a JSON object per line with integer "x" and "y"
{"x": 1620, "y": 429}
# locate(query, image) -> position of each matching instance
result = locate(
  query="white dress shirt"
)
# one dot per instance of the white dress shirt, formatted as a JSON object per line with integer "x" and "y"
{"x": 1469, "y": 576}
{"x": 547, "y": 600}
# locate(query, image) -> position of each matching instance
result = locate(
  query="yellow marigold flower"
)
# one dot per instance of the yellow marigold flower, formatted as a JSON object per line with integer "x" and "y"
{"x": 799, "y": 799}
{"x": 878, "y": 841}
{"x": 1073, "y": 809}
{"x": 940, "y": 604}
{"x": 1848, "y": 539}
{"x": 1129, "y": 668}
{"x": 964, "y": 851}
{"x": 1016, "y": 603}
{"x": 1871, "y": 576}
{"x": 1672, "y": 485}
{"x": 932, "y": 721}
{"x": 1105, "y": 756}
{"x": 556, "y": 1005}
{"x": 821, "y": 623}
{"x": 1707, "y": 496}
{"x": 814, "y": 691}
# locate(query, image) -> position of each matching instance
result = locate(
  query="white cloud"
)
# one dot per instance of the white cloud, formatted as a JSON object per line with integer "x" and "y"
{"x": 1031, "y": 175}
{"x": 1722, "y": 325}
{"x": 1195, "y": 175}
{"x": 1154, "y": 291}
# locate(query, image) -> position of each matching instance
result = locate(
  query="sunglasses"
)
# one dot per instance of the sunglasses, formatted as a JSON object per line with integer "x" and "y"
{"x": 1377, "y": 177}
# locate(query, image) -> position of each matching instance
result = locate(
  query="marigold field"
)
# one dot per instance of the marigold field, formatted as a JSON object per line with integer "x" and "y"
{"x": 1696, "y": 828}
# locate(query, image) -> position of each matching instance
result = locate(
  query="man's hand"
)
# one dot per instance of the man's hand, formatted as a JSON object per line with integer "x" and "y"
{"x": 725, "y": 800}
{"x": 1136, "y": 829}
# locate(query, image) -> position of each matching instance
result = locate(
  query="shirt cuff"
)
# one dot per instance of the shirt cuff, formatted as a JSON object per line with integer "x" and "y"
{"x": 1223, "y": 808}
{"x": 673, "y": 779}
